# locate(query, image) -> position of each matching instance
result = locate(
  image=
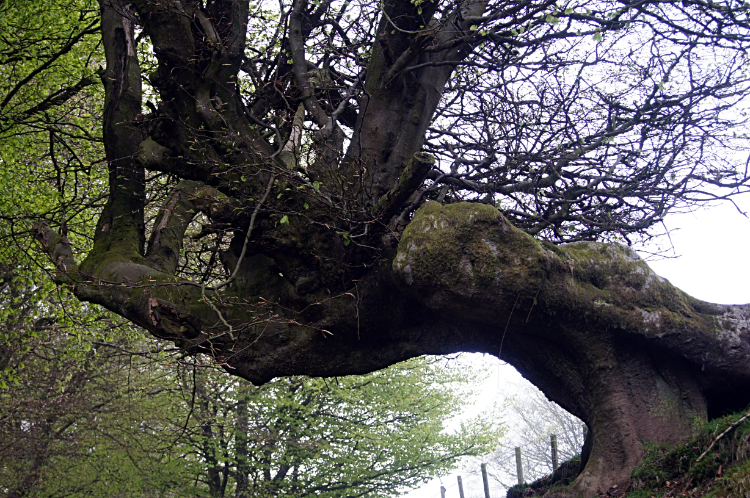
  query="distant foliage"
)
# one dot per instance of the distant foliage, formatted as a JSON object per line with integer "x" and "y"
{"x": 531, "y": 418}
{"x": 90, "y": 407}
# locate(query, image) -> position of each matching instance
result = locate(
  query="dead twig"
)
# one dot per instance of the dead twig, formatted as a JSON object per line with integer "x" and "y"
{"x": 729, "y": 429}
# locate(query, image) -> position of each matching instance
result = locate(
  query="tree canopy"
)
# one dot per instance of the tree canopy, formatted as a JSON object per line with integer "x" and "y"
{"x": 331, "y": 187}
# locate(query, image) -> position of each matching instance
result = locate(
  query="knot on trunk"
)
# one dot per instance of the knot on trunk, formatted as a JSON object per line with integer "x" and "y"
{"x": 170, "y": 322}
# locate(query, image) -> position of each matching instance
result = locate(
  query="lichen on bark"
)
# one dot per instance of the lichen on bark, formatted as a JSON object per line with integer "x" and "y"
{"x": 469, "y": 252}
{"x": 589, "y": 323}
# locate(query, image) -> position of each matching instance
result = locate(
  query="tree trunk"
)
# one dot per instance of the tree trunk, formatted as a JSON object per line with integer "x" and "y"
{"x": 627, "y": 392}
{"x": 636, "y": 400}
{"x": 590, "y": 324}
{"x": 241, "y": 456}
{"x": 336, "y": 279}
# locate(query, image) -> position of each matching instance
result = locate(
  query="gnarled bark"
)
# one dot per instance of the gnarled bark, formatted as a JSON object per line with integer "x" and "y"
{"x": 590, "y": 324}
{"x": 331, "y": 275}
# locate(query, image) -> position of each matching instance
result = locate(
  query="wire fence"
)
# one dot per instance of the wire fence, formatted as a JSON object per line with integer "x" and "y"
{"x": 458, "y": 487}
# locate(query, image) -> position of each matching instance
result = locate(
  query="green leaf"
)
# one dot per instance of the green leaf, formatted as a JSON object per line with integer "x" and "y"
{"x": 284, "y": 219}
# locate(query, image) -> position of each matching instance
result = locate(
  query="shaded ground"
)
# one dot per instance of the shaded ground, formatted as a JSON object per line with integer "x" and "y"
{"x": 678, "y": 471}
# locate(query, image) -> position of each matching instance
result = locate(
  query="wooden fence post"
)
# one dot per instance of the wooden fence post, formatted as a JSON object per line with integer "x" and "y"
{"x": 442, "y": 492}
{"x": 553, "y": 442}
{"x": 486, "y": 482}
{"x": 460, "y": 487}
{"x": 519, "y": 467}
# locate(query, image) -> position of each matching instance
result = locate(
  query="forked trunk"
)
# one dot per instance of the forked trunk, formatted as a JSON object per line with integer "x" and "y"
{"x": 331, "y": 272}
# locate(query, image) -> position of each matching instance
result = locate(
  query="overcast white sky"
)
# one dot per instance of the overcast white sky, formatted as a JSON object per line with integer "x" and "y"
{"x": 714, "y": 247}
{"x": 713, "y": 264}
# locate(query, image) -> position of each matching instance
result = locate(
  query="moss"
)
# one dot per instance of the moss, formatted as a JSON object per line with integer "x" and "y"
{"x": 608, "y": 274}
{"x": 99, "y": 260}
{"x": 376, "y": 69}
{"x": 605, "y": 265}
{"x": 466, "y": 245}
{"x": 471, "y": 251}
{"x": 555, "y": 249}
{"x": 736, "y": 482}
{"x": 557, "y": 481}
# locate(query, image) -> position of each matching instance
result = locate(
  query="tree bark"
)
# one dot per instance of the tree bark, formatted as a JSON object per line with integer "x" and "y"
{"x": 590, "y": 324}
{"x": 242, "y": 470}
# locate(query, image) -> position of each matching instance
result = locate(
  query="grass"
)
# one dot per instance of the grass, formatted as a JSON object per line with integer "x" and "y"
{"x": 564, "y": 475}
{"x": 672, "y": 471}
{"x": 723, "y": 473}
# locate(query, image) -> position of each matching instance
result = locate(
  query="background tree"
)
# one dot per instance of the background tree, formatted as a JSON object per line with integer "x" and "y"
{"x": 372, "y": 435}
{"x": 531, "y": 420}
{"x": 83, "y": 404}
{"x": 284, "y": 153}
{"x": 89, "y": 407}
{"x": 50, "y": 144}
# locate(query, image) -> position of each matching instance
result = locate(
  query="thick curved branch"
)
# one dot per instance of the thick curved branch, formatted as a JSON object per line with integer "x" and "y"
{"x": 493, "y": 263}
{"x": 165, "y": 244}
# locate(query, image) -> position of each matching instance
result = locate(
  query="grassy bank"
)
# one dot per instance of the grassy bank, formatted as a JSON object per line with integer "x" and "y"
{"x": 714, "y": 464}
{"x": 698, "y": 469}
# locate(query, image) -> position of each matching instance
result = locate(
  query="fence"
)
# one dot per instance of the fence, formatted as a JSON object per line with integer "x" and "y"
{"x": 519, "y": 468}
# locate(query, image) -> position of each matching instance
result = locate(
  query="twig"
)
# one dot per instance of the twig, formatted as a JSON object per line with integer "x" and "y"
{"x": 731, "y": 427}
{"x": 233, "y": 276}
{"x": 534, "y": 303}
{"x": 507, "y": 324}
{"x": 221, "y": 317}
{"x": 687, "y": 485}
{"x": 250, "y": 230}
{"x": 245, "y": 244}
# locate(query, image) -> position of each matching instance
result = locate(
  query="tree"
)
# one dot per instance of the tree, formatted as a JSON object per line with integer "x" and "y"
{"x": 371, "y": 435}
{"x": 83, "y": 405}
{"x": 351, "y": 184}
{"x": 531, "y": 420}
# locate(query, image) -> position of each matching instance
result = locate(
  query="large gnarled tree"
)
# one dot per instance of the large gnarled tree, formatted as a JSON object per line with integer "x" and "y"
{"x": 353, "y": 183}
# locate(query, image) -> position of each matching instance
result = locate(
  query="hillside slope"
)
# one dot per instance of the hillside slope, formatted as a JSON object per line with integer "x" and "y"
{"x": 714, "y": 464}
